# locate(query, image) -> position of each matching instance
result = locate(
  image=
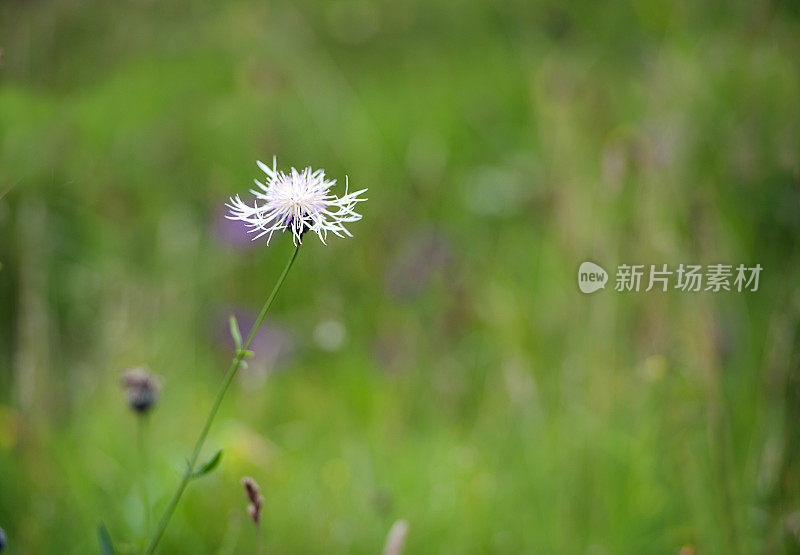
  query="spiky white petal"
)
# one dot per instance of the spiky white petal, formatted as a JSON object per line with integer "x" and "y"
{"x": 300, "y": 201}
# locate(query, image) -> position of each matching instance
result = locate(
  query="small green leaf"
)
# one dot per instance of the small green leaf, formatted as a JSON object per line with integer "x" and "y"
{"x": 245, "y": 354}
{"x": 210, "y": 465}
{"x": 106, "y": 547}
{"x": 235, "y": 333}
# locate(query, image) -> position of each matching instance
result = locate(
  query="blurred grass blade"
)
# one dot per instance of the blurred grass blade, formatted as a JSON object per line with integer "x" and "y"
{"x": 106, "y": 547}
{"x": 396, "y": 539}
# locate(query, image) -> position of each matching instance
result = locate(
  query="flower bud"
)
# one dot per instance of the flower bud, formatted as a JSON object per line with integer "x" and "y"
{"x": 142, "y": 389}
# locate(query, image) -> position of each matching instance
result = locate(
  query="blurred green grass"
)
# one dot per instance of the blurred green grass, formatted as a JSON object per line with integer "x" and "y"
{"x": 477, "y": 393}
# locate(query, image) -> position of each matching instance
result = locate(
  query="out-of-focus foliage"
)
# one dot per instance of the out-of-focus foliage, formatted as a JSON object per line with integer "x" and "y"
{"x": 442, "y": 366}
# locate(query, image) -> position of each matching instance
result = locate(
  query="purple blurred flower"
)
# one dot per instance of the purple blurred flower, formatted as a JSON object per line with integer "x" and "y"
{"x": 410, "y": 271}
{"x": 232, "y": 232}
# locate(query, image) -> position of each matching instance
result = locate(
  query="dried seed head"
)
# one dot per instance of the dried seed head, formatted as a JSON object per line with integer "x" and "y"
{"x": 254, "y": 513}
{"x": 255, "y": 497}
{"x": 142, "y": 388}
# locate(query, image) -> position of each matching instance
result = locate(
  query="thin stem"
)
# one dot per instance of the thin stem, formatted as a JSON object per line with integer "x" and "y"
{"x": 237, "y": 360}
{"x": 143, "y": 470}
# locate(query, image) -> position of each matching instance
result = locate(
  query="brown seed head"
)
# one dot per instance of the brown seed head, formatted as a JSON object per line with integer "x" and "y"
{"x": 255, "y": 497}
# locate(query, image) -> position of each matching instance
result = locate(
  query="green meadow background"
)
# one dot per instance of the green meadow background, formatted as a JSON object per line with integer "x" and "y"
{"x": 441, "y": 366}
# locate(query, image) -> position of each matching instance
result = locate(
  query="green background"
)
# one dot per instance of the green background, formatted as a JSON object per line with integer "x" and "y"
{"x": 476, "y": 392}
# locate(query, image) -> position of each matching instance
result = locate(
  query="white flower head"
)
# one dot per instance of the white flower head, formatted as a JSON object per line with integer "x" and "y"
{"x": 298, "y": 200}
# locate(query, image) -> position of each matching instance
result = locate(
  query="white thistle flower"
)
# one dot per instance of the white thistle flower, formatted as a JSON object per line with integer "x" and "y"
{"x": 300, "y": 201}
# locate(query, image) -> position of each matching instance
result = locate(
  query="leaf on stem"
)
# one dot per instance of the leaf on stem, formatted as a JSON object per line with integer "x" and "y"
{"x": 235, "y": 333}
{"x": 209, "y": 466}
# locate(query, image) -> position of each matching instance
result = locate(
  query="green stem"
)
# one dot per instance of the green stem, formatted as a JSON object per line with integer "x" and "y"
{"x": 215, "y": 407}
{"x": 143, "y": 471}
